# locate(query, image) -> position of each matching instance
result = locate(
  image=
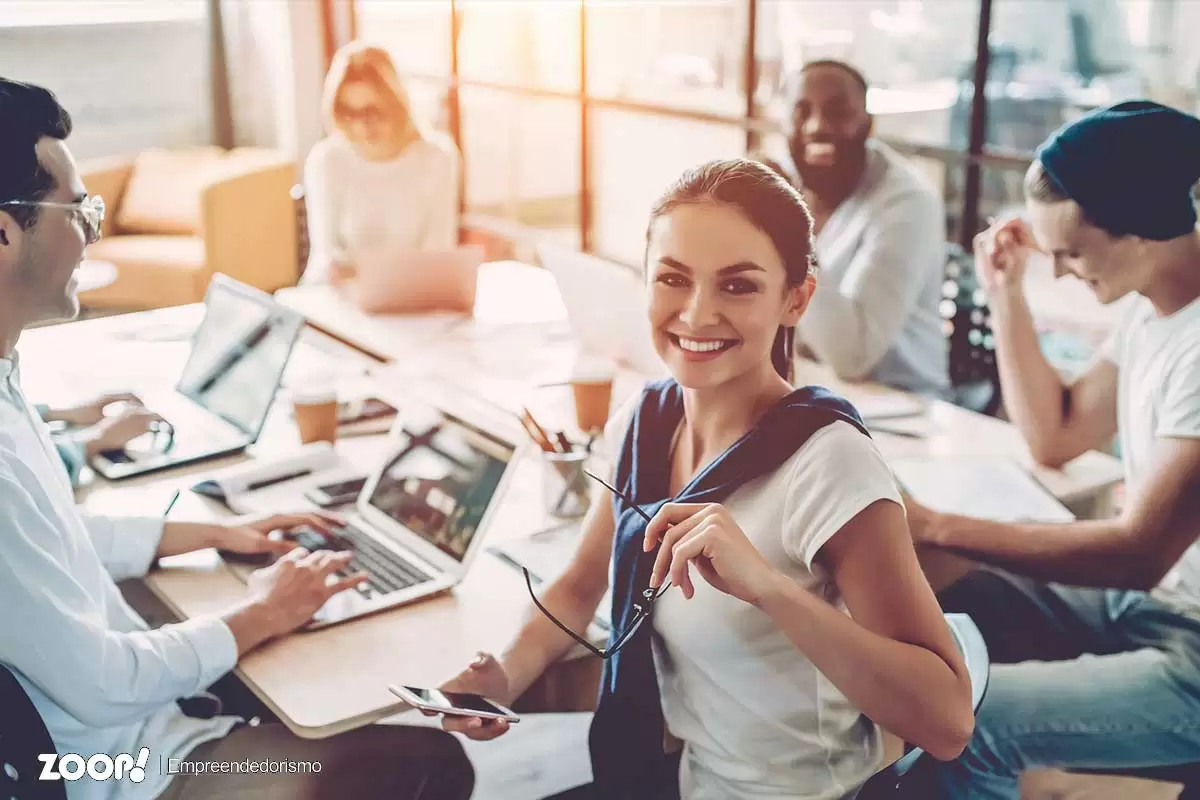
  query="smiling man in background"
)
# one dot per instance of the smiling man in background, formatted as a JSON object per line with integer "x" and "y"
{"x": 880, "y": 240}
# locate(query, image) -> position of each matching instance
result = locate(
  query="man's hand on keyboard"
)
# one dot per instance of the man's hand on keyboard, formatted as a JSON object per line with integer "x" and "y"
{"x": 252, "y": 535}
{"x": 292, "y": 589}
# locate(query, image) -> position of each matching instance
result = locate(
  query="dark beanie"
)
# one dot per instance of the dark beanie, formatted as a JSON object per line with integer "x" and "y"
{"x": 1131, "y": 168}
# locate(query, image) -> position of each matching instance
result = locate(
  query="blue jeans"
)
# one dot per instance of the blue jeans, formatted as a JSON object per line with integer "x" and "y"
{"x": 1086, "y": 679}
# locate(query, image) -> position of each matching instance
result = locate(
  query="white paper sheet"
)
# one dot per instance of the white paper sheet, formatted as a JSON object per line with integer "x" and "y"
{"x": 546, "y": 555}
{"x": 988, "y": 488}
{"x": 889, "y": 406}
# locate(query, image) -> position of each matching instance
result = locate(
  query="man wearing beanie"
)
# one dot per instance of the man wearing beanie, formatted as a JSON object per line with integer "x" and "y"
{"x": 1094, "y": 627}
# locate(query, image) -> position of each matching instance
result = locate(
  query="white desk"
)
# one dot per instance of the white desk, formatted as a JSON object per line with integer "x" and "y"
{"x": 329, "y": 681}
{"x": 540, "y": 351}
{"x": 318, "y": 683}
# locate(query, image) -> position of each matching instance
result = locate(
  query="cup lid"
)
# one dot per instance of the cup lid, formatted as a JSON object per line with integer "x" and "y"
{"x": 313, "y": 395}
{"x": 591, "y": 369}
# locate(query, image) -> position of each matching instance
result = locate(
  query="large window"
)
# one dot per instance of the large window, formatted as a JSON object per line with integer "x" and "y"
{"x": 1053, "y": 60}
{"x": 522, "y": 160}
{"x": 96, "y": 57}
{"x": 668, "y": 53}
{"x": 415, "y": 32}
{"x": 666, "y": 87}
{"x": 520, "y": 44}
{"x": 635, "y": 158}
{"x": 915, "y": 56}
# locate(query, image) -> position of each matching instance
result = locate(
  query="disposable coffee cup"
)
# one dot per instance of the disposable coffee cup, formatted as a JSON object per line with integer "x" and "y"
{"x": 592, "y": 386}
{"x": 315, "y": 411}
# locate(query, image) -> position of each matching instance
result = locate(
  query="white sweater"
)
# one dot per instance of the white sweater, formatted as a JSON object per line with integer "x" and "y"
{"x": 410, "y": 201}
{"x": 882, "y": 254}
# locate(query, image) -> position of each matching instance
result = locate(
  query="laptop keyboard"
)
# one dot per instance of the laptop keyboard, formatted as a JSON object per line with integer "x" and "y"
{"x": 386, "y": 571}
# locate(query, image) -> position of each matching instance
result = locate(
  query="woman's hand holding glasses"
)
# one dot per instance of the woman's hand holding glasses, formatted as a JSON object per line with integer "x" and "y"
{"x": 707, "y": 536}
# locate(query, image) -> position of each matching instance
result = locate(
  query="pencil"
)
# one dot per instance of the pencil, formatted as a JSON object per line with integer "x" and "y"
{"x": 543, "y": 438}
{"x": 533, "y": 434}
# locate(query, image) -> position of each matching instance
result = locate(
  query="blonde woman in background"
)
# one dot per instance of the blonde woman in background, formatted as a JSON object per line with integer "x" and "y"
{"x": 382, "y": 177}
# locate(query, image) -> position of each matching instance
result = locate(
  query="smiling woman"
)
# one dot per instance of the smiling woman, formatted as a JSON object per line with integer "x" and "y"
{"x": 756, "y": 528}
{"x": 711, "y": 214}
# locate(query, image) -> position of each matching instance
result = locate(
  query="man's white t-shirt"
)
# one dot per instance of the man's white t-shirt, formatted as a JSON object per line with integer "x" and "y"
{"x": 757, "y": 719}
{"x": 1158, "y": 397}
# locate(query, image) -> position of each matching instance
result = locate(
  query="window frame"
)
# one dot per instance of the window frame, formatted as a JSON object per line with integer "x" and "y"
{"x": 971, "y": 162}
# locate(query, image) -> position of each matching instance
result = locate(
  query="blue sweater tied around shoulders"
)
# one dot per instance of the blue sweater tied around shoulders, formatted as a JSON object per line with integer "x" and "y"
{"x": 627, "y": 733}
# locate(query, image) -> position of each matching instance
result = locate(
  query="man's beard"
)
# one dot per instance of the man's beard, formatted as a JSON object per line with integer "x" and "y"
{"x": 828, "y": 180}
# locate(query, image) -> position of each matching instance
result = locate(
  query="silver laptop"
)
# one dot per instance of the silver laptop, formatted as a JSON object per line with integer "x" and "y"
{"x": 227, "y": 386}
{"x": 606, "y": 308}
{"x": 417, "y": 524}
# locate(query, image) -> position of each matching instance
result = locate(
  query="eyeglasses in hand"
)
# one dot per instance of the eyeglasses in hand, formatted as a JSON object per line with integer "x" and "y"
{"x": 641, "y": 611}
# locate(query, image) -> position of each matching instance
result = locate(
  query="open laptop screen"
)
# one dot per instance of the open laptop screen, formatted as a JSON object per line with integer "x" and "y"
{"x": 239, "y": 354}
{"x": 442, "y": 476}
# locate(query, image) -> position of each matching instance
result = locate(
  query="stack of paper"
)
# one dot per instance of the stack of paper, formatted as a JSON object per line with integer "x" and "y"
{"x": 987, "y": 488}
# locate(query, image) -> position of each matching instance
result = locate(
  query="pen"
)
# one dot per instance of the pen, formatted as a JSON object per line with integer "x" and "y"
{"x": 512, "y": 562}
{"x": 564, "y": 443}
{"x": 170, "y": 505}
{"x": 265, "y": 482}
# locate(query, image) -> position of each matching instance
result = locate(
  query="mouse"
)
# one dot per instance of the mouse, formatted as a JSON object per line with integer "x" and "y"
{"x": 212, "y": 490}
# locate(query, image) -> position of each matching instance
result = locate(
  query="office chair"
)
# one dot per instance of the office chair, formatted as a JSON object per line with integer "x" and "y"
{"x": 974, "y": 376}
{"x": 909, "y": 776}
{"x": 23, "y": 737}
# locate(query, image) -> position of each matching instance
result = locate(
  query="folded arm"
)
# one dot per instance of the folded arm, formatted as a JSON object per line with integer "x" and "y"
{"x": 1056, "y": 432}
{"x": 852, "y": 324}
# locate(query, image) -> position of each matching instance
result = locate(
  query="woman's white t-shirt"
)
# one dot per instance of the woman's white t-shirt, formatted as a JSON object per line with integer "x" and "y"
{"x": 757, "y": 719}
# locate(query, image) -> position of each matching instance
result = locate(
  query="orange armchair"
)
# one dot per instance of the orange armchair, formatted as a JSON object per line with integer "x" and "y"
{"x": 176, "y": 217}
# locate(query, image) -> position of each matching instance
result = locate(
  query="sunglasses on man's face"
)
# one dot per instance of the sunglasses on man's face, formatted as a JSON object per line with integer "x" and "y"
{"x": 641, "y": 611}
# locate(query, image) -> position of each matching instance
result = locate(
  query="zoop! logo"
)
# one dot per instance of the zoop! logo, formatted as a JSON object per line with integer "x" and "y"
{"x": 100, "y": 767}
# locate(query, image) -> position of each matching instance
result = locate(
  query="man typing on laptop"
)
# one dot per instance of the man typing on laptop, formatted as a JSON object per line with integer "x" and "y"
{"x": 100, "y": 680}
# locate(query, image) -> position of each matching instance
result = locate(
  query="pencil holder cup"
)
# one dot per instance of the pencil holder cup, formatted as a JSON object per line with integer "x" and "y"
{"x": 565, "y": 488}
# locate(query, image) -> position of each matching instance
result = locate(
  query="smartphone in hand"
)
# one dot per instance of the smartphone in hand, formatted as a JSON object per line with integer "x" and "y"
{"x": 454, "y": 703}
